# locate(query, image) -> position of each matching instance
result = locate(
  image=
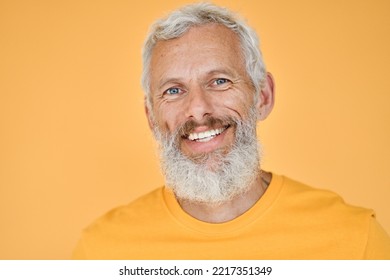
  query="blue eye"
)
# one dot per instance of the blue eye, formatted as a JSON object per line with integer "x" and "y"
{"x": 172, "y": 91}
{"x": 221, "y": 81}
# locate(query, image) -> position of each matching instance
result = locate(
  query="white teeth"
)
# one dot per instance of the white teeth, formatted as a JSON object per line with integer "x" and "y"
{"x": 205, "y": 135}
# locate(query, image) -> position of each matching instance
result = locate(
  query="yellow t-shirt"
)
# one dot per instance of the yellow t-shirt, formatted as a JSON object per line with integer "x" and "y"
{"x": 290, "y": 221}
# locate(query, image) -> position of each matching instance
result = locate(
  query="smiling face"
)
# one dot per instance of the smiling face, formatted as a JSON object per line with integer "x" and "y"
{"x": 198, "y": 86}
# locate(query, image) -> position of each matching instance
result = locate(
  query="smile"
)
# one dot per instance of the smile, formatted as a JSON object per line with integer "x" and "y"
{"x": 206, "y": 136}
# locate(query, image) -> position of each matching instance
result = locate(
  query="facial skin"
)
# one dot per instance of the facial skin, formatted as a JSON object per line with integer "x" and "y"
{"x": 200, "y": 91}
{"x": 197, "y": 76}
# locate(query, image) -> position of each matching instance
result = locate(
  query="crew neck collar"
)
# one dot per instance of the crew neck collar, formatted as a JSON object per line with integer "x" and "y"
{"x": 229, "y": 227}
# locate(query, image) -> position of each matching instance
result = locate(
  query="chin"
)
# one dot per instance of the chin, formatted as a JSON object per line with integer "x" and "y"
{"x": 211, "y": 160}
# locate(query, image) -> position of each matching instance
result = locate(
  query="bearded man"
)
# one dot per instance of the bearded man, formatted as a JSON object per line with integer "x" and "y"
{"x": 206, "y": 87}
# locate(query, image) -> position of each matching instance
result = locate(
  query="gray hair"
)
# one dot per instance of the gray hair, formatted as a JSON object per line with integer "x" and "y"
{"x": 178, "y": 22}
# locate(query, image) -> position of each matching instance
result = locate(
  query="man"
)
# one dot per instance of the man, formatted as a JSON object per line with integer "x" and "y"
{"x": 205, "y": 89}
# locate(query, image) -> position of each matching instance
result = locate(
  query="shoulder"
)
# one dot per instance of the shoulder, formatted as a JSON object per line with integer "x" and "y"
{"x": 109, "y": 234}
{"x": 141, "y": 208}
{"x": 324, "y": 214}
{"x": 127, "y": 220}
{"x": 325, "y": 221}
{"x": 302, "y": 196}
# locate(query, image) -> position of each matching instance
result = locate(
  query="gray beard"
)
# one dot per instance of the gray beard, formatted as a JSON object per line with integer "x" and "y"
{"x": 215, "y": 177}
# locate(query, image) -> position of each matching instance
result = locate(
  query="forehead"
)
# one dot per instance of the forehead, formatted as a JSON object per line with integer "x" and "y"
{"x": 203, "y": 37}
{"x": 210, "y": 45}
{"x": 212, "y": 33}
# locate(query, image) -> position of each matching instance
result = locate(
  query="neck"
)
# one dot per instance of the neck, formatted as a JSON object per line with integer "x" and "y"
{"x": 230, "y": 210}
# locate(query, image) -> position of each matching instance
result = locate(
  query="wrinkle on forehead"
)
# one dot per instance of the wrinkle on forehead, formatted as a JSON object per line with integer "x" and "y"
{"x": 221, "y": 42}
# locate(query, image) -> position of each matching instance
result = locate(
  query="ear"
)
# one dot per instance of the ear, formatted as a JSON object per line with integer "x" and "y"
{"x": 266, "y": 98}
{"x": 148, "y": 115}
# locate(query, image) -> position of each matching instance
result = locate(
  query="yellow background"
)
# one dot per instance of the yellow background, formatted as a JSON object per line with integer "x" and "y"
{"x": 74, "y": 141}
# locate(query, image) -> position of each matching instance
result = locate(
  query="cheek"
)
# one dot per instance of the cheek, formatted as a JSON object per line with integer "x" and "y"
{"x": 238, "y": 105}
{"x": 168, "y": 118}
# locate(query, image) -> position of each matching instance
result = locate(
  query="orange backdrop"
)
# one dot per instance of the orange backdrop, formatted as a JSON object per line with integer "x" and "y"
{"x": 74, "y": 140}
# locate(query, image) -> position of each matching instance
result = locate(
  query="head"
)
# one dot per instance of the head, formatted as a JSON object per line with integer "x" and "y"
{"x": 180, "y": 21}
{"x": 205, "y": 88}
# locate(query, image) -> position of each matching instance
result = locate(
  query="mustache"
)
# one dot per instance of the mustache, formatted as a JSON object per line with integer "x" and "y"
{"x": 212, "y": 122}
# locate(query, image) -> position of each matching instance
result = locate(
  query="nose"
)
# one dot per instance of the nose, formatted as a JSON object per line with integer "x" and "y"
{"x": 199, "y": 104}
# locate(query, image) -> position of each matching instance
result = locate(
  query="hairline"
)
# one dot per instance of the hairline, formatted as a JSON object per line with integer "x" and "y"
{"x": 234, "y": 24}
